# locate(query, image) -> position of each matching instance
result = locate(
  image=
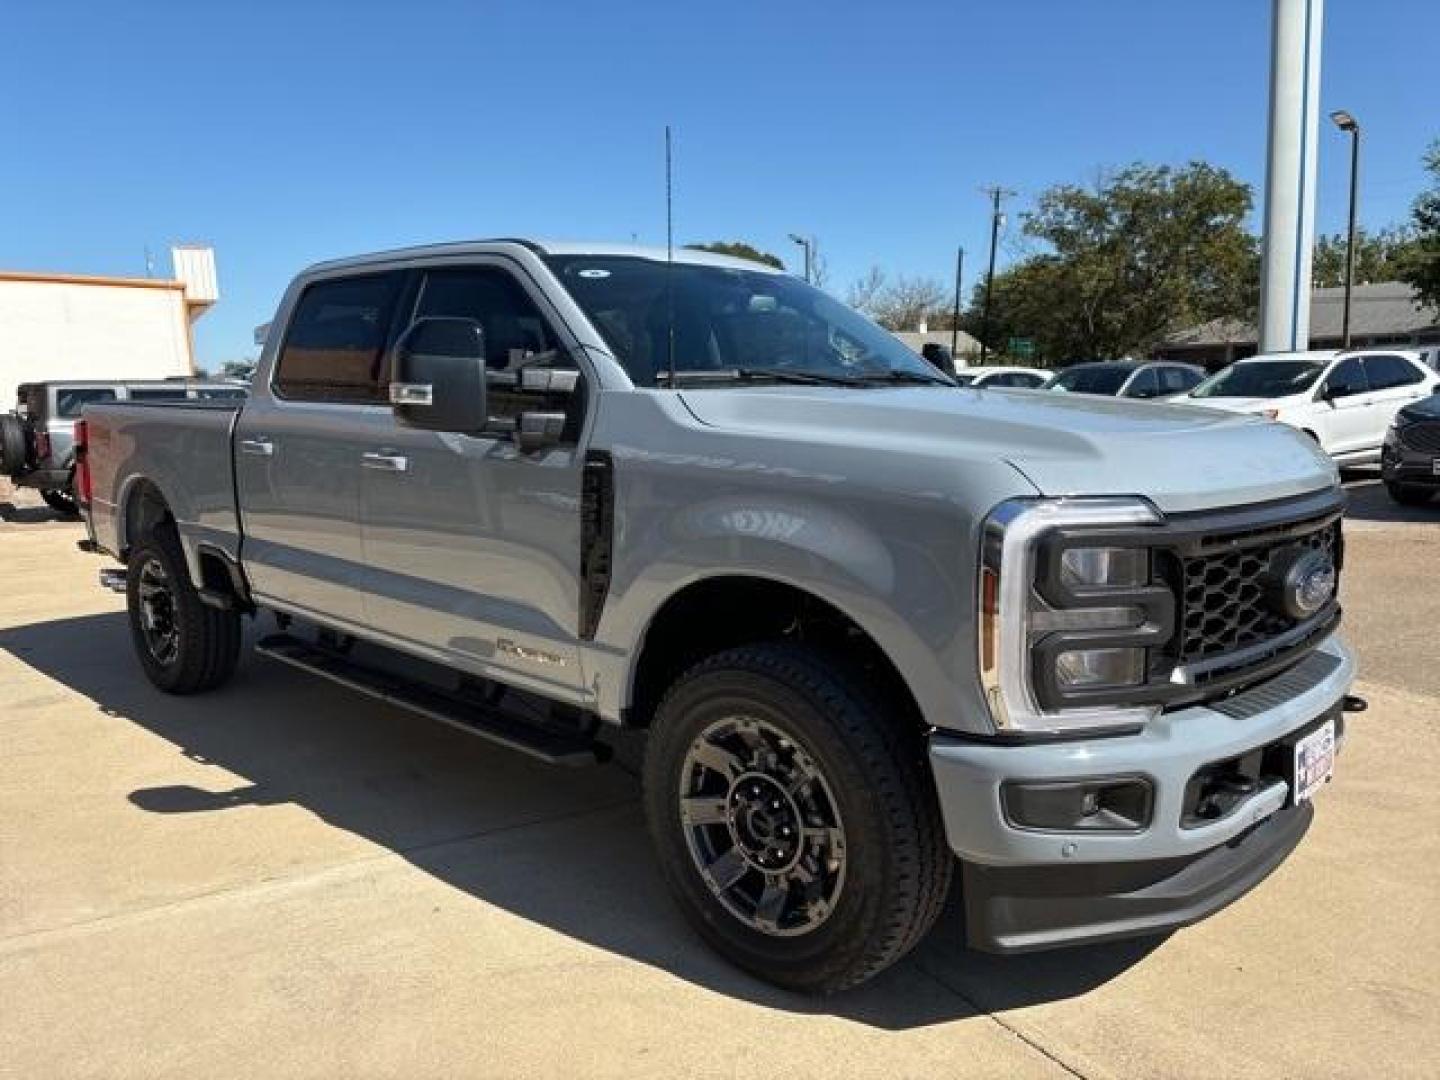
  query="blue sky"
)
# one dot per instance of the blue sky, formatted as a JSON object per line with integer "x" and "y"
{"x": 287, "y": 133}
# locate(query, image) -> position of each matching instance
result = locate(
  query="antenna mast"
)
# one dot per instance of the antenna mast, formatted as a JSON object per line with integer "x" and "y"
{"x": 669, "y": 264}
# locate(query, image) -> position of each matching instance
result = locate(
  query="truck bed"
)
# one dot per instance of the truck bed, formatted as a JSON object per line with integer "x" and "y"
{"x": 184, "y": 449}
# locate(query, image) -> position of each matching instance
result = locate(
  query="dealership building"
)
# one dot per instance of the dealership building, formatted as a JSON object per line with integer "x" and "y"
{"x": 1384, "y": 313}
{"x": 73, "y": 326}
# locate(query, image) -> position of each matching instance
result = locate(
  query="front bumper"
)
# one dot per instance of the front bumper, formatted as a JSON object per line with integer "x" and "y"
{"x": 1032, "y": 889}
{"x": 1402, "y": 465}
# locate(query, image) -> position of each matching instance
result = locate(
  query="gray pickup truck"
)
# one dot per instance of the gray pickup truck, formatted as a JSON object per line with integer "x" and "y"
{"x": 37, "y": 439}
{"x": 886, "y": 636}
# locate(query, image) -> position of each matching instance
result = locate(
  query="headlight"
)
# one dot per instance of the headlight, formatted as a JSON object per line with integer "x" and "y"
{"x": 1067, "y": 614}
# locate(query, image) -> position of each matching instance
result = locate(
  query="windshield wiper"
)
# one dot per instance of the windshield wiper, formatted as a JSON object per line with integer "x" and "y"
{"x": 702, "y": 376}
{"x": 910, "y": 378}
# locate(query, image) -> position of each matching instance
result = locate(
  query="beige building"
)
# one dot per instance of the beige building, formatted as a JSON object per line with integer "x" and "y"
{"x": 72, "y": 326}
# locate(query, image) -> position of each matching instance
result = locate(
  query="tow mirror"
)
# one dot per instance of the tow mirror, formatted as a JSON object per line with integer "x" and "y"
{"x": 439, "y": 376}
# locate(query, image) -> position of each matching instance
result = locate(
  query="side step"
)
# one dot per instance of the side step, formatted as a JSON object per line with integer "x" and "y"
{"x": 489, "y": 723}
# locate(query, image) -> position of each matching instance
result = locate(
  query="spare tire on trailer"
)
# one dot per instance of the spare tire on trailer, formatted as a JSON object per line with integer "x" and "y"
{"x": 14, "y": 445}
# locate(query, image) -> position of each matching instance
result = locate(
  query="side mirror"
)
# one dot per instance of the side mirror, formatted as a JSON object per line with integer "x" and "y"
{"x": 939, "y": 356}
{"x": 439, "y": 376}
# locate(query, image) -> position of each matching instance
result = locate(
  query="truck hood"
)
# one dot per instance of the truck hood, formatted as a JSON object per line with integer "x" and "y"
{"x": 1179, "y": 457}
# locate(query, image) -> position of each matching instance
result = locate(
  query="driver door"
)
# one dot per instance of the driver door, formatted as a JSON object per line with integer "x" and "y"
{"x": 472, "y": 545}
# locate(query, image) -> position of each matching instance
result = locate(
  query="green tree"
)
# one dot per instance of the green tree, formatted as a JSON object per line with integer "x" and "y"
{"x": 740, "y": 250}
{"x": 1379, "y": 256}
{"x": 1145, "y": 251}
{"x": 1421, "y": 267}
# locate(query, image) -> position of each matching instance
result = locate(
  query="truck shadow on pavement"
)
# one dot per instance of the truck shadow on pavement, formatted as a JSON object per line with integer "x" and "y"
{"x": 1367, "y": 500}
{"x": 566, "y": 849}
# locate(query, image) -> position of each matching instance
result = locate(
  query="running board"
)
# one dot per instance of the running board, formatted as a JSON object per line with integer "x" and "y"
{"x": 556, "y": 748}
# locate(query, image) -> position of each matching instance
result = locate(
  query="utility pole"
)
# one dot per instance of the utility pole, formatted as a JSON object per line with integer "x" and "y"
{"x": 996, "y": 193}
{"x": 955, "y": 323}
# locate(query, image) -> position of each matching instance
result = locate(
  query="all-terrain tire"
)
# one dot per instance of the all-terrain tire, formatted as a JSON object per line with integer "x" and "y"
{"x": 204, "y": 647}
{"x": 14, "y": 445}
{"x": 1406, "y": 495}
{"x": 897, "y": 868}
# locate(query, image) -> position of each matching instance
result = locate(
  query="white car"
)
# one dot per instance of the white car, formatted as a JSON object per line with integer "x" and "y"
{"x": 1345, "y": 401}
{"x": 1018, "y": 378}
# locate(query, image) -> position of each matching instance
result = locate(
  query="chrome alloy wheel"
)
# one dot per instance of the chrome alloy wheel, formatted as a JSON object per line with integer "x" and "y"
{"x": 157, "y": 612}
{"x": 762, "y": 826}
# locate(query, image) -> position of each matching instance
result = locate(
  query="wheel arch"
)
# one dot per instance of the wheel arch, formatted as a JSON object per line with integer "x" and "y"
{"x": 723, "y": 610}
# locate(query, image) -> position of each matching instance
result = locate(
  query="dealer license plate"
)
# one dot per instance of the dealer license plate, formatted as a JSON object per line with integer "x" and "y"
{"x": 1314, "y": 760}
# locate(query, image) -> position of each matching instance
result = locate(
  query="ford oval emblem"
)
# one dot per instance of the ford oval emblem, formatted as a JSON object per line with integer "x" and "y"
{"x": 1306, "y": 582}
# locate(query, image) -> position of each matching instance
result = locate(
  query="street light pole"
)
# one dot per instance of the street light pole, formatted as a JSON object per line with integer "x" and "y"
{"x": 804, "y": 243}
{"x": 955, "y": 322}
{"x": 1347, "y": 123}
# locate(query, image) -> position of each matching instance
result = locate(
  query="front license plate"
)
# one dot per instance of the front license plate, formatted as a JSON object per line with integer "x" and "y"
{"x": 1314, "y": 761}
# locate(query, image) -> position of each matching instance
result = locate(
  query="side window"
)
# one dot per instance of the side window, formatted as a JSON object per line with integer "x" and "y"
{"x": 1144, "y": 385}
{"x": 1029, "y": 382}
{"x": 333, "y": 346}
{"x": 516, "y": 334}
{"x": 1386, "y": 372}
{"x": 1348, "y": 379}
{"x": 69, "y": 401}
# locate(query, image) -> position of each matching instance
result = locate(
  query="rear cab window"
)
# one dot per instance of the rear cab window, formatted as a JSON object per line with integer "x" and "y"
{"x": 158, "y": 393}
{"x": 70, "y": 401}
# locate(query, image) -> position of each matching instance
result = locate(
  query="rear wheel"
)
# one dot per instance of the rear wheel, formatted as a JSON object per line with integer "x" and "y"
{"x": 14, "y": 445}
{"x": 62, "y": 502}
{"x": 185, "y": 645}
{"x": 794, "y": 817}
{"x": 1406, "y": 495}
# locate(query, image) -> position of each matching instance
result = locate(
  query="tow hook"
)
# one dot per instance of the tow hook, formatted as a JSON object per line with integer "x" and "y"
{"x": 1355, "y": 703}
{"x": 112, "y": 579}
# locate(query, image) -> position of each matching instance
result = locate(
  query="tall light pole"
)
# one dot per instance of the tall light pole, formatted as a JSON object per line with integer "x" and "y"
{"x": 955, "y": 322}
{"x": 804, "y": 243}
{"x": 1345, "y": 122}
{"x": 996, "y": 194}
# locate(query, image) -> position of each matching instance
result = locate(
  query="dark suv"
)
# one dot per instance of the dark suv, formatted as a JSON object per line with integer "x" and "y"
{"x": 37, "y": 439}
{"x": 1410, "y": 458}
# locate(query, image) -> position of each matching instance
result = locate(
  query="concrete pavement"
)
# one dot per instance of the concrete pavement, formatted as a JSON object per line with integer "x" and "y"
{"x": 284, "y": 879}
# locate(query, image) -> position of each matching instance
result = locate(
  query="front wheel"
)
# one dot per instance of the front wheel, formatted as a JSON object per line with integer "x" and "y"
{"x": 795, "y": 818}
{"x": 1406, "y": 495}
{"x": 185, "y": 645}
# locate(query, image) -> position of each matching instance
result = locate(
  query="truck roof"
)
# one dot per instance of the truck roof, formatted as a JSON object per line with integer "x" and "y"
{"x": 500, "y": 245}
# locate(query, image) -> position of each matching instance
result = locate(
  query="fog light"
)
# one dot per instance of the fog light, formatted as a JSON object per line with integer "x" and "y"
{"x": 1112, "y": 804}
{"x": 1105, "y": 566}
{"x": 1089, "y": 668}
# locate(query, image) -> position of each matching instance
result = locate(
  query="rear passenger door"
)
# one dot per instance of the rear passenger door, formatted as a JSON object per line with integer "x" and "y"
{"x": 1394, "y": 381}
{"x": 472, "y": 546}
{"x": 299, "y": 444}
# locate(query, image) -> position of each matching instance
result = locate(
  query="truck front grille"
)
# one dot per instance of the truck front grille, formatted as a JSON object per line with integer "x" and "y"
{"x": 1424, "y": 436}
{"x": 1223, "y": 593}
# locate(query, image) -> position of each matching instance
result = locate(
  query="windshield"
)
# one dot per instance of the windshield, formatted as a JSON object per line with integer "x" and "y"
{"x": 1096, "y": 379}
{"x": 1260, "y": 379}
{"x": 727, "y": 321}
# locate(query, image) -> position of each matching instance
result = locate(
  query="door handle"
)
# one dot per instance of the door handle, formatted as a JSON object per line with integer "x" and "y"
{"x": 385, "y": 462}
{"x": 258, "y": 447}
